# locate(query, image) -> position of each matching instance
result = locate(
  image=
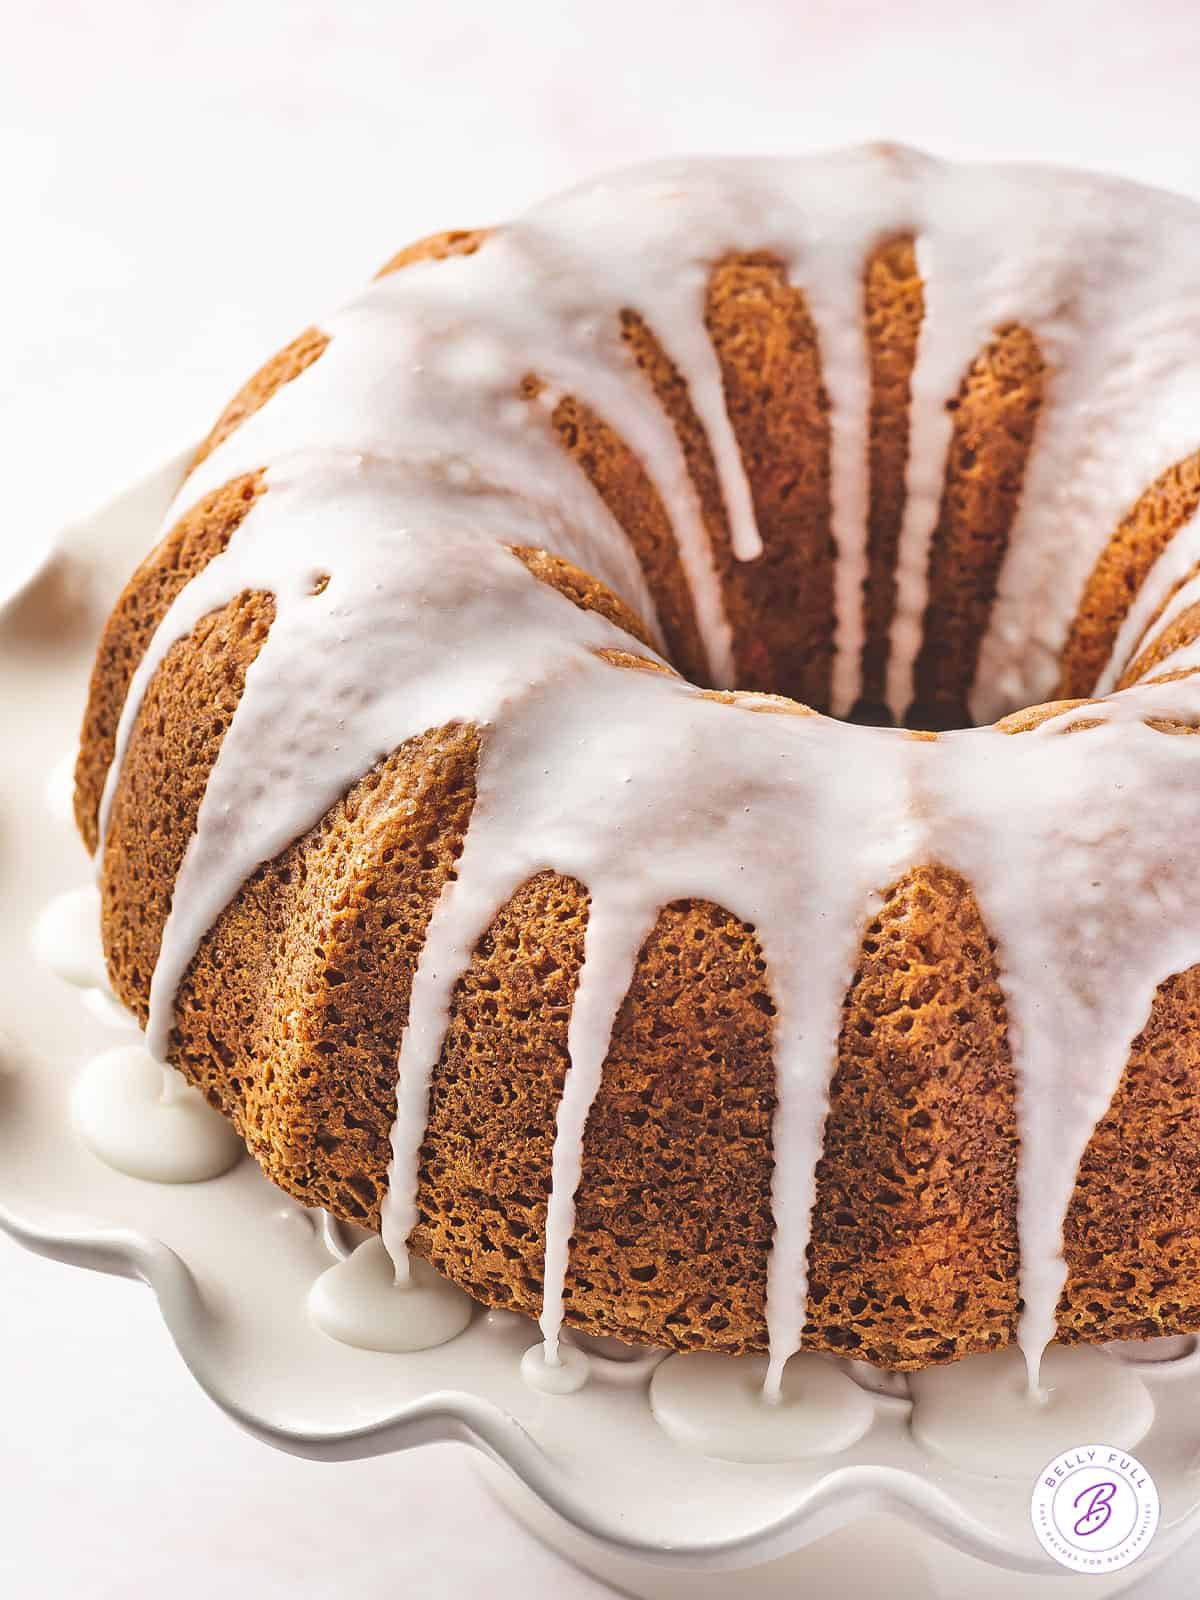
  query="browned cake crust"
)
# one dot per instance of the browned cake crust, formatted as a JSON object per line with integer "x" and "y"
{"x": 187, "y": 548}
{"x": 436, "y": 247}
{"x": 621, "y": 482}
{"x": 291, "y": 1014}
{"x": 1183, "y": 630}
{"x": 781, "y": 606}
{"x": 995, "y": 413}
{"x": 893, "y": 310}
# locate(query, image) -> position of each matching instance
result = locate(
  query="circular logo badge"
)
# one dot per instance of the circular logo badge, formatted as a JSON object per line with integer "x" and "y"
{"x": 1094, "y": 1508}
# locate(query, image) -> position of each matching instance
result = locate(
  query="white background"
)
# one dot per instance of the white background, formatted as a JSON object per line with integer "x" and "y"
{"x": 184, "y": 187}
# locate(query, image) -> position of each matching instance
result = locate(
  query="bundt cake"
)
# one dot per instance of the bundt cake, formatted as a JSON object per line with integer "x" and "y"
{"x": 548, "y": 784}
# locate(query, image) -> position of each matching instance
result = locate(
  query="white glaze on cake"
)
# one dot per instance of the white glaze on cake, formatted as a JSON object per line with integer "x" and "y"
{"x": 1168, "y": 592}
{"x": 403, "y": 463}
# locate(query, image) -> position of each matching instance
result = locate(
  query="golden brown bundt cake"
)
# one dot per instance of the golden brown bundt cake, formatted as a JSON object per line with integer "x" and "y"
{"x": 456, "y": 840}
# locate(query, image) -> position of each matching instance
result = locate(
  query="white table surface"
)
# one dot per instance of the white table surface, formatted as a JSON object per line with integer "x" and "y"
{"x": 184, "y": 187}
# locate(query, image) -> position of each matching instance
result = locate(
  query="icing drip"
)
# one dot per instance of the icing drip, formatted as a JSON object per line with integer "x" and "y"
{"x": 403, "y": 462}
{"x": 611, "y": 949}
{"x": 1038, "y": 824}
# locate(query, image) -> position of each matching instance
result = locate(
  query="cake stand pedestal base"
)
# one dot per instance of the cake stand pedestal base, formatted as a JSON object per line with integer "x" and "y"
{"x": 875, "y": 1557}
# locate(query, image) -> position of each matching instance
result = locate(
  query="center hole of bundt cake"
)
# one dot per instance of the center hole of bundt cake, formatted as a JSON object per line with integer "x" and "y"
{"x": 925, "y": 587}
{"x": 933, "y": 716}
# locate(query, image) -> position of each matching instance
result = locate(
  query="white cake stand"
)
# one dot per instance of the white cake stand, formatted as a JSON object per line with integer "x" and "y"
{"x": 231, "y": 1262}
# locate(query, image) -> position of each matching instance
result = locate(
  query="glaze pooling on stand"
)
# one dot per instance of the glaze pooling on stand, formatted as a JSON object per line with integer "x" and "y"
{"x": 398, "y": 474}
{"x": 140, "y": 1118}
{"x": 66, "y": 938}
{"x": 973, "y": 1413}
{"x": 715, "y": 1405}
{"x": 566, "y": 1373}
{"x": 358, "y": 1302}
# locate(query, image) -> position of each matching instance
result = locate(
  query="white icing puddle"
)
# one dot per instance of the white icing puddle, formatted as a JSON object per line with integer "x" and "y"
{"x": 715, "y": 1404}
{"x": 565, "y": 1372}
{"x": 979, "y": 1414}
{"x": 358, "y": 1302}
{"x": 60, "y": 789}
{"x": 66, "y": 936}
{"x": 148, "y": 1123}
{"x": 66, "y": 939}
